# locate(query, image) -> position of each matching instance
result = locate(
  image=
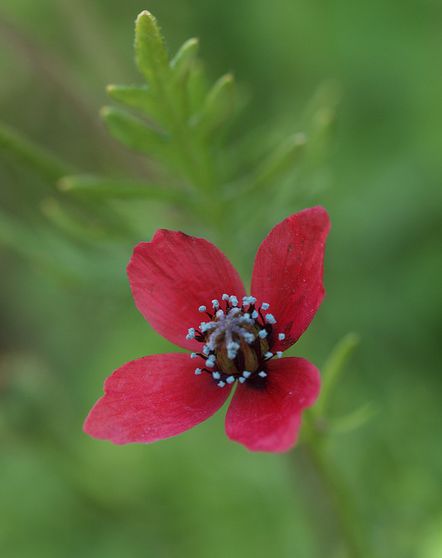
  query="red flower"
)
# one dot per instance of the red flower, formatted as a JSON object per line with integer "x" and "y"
{"x": 176, "y": 280}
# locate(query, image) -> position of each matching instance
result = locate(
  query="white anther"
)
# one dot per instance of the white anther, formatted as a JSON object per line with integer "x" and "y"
{"x": 206, "y": 350}
{"x": 263, "y": 374}
{"x": 215, "y": 304}
{"x": 230, "y": 379}
{"x": 270, "y": 319}
{"x": 221, "y": 384}
{"x": 216, "y": 375}
{"x": 233, "y": 300}
{"x": 268, "y": 355}
{"x": 249, "y": 337}
{"x": 220, "y": 313}
{"x": 225, "y": 296}
{"x": 248, "y": 299}
{"x": 232, "y": 349}
{"x": 235, "y": 311}
{"x": 191, "y": 334}
{"x": 193, "y": 355}
{"x": 263, "y": 334}
{"x": 279, "y": 354}
{"x": 281, "y": 336}
{"x": 265, "y": 305}
{"x": 246, "y": 374}
{"x": 255, "y": 314}
{"x": 202, "y": 308}
{"x": 241, "y": 380}
{"x": 210, "y": 363}
{"x": 198, "y": 371}
{"x": 205, "y": 326}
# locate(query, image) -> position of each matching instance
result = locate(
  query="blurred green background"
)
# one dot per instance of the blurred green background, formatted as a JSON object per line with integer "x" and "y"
{"x": 67, "y": 318}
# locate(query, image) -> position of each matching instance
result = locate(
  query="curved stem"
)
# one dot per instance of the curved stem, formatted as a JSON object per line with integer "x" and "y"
{"x": 327, "y": 494}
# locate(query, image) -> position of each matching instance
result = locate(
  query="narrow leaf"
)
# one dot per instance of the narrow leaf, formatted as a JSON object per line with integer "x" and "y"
{"x": 133, "y": 132}
{"x": 333, "y": 369}
{"x": 47, "y": 165}
{"x": 219, "y": 105}
{"x": 150, "y": 50}
{"x": 184, "y": 58}
{"x": 281, "y": 161}
{"x": 133, "y": 96}
{"x": 353, "y": 420}
{"x": 97, "y": 187}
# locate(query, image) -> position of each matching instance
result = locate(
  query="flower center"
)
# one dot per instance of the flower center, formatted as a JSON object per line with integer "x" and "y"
{"x": 236, "y": 340}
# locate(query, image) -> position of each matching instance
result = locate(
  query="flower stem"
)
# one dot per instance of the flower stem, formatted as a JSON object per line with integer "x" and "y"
{"x": 329, "y": 500}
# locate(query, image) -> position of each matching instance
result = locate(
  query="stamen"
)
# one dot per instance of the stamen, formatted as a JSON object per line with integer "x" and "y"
{"x": 210, "y": 362}
{"x": 205, "y": 326}
{"x": 227, "y": 334}
{"x": 279, "y": 354}
{"x": 232, "y": 350}
{"x": 191, "y": 333}
{"x": 270, "y": 319}
{"x": 249, "y": 337}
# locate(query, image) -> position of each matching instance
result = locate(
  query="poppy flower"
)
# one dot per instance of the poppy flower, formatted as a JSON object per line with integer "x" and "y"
{"x": 192, "y": 295}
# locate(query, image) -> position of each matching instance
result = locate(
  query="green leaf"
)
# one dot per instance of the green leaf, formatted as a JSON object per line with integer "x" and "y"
{"x": 133, "y": 96}
{"x": 150, "y": 50}
{"x": 184, "y": 58}
{"x": 97, "y": 187}
{"x": 38, "y": 247}
{"x": 133, "y": 132}
{"x": 47, "y": 165}
{"x": 219, "y": 105}
{"x": 354, "y": 420}
{"x": 333, "y": 369}
{"x": 282, "y": 160}
{"x": 73, "y": 227}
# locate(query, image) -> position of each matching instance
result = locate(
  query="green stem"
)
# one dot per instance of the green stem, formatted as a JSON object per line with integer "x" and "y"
{"x": 327, "y": 494}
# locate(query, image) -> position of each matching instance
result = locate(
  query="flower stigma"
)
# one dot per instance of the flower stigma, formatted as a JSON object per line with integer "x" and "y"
{"x": 237, "y": 341}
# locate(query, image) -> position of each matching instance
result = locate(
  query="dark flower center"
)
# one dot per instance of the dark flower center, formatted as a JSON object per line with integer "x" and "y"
{"x": 237, "y": 340}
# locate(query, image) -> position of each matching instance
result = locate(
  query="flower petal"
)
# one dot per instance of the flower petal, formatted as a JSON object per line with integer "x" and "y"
{"x": 288, "y": 272}
{"x": 152, "y": 398}
{"x": 266, "y": 416}
{"x": 175, "y": 274}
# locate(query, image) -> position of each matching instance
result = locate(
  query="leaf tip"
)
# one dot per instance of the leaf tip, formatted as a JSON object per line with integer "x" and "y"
{"x": 144, "y": 14}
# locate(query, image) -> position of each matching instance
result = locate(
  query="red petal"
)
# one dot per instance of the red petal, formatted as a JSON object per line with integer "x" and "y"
{"x": 288, "y": 272}
{"x": 152, "y": 398}
{"x": 175, "y": 274}
{"x": 267, "y": 416}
